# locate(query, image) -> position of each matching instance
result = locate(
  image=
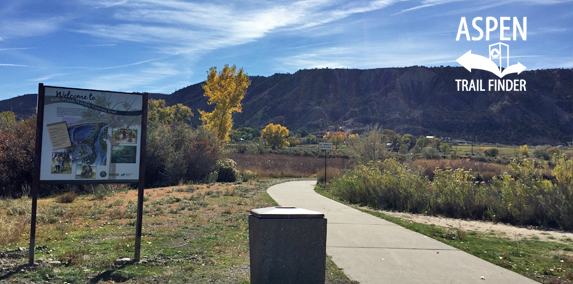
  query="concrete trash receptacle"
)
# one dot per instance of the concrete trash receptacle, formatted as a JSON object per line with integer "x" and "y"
{"x": 288, "y": 245}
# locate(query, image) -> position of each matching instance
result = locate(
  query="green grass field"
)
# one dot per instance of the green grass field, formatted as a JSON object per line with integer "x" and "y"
{"x": 504, "y": 150}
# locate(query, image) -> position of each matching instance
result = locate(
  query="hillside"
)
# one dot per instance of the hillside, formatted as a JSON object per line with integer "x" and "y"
{"x": 416, "y": 100}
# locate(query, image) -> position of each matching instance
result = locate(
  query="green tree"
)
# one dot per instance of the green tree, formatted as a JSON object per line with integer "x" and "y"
{"x": 445, "y": 148}
{"x": 226, "y": 90}
{"x": 409, "y": 140}
{"x": 275, "y": 135}
{"x": 369, "y": 146}
{"x": 7, "y": 121}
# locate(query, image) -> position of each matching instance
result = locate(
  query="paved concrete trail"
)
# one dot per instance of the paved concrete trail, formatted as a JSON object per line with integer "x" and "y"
{"x": 372, "y": 250}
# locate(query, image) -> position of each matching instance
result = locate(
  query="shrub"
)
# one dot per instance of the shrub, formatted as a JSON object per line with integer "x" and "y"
{"x": 524, "y": 198}
{"x": 540, "y": 152}
{"x": 248, "y": 175}
{"x": 553, "y": 151}
{"x": 430, "y": 153}
{"x": 17, "y": 156}
{"x": 524, "y": 150}
{"x": 67, "y": 197}
{"x": 176, "y": 153}
{"x": 491, "y": 152}
{"x": 227, "y": 171}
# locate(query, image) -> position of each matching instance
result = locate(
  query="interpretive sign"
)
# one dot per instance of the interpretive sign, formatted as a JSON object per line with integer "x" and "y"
{"x": 93, "y": 136}
{"x": 89, "y": 136}
{"x": 325, "y": 146}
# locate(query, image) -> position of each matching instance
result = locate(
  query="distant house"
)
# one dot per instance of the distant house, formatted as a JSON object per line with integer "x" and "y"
{"x": 432, "y": 138}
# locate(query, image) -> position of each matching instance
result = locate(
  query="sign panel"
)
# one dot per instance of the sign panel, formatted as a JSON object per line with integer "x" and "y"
{"x": 325, "y": 146}
{"x": 91, "y": 136}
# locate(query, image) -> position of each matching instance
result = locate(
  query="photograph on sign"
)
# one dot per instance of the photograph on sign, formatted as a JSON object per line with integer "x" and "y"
{"x": 92, "y": 136}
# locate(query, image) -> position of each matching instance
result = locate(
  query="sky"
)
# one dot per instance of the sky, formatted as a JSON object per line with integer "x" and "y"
{"x": 161, "y": 46}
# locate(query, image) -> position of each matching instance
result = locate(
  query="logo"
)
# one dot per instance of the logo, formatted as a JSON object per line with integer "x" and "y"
{"x": 498, "y": 61}
{"x": 103, "y": 174}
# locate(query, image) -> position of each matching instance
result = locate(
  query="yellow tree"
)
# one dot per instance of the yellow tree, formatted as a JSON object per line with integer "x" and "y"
{"x": 276, "y": 135}
{"x": 157, "y": 111}
{"x": 225, "y": 89}
{"x": 336, "y": 138}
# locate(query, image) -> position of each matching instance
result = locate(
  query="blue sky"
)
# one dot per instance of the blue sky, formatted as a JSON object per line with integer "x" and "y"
{"x": 164, "y": 45}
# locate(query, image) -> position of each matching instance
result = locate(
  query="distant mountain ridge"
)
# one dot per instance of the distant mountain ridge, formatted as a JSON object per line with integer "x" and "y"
{"x": 415, "y": 100}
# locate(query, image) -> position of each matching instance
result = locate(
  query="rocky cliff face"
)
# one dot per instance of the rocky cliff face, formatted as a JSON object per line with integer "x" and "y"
{"x": 415, "y": 100}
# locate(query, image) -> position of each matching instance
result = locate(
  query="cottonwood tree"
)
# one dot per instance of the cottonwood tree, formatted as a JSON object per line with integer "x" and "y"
{"x": 337, "y": 138}
{"x": 275, "y": 135}
{"x": 225, "y": 89}
{"x": 157, "y": 111}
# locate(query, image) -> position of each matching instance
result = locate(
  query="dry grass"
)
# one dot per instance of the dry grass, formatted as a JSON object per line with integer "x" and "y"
{"x": 13, "y": 228}
{"x": 278, "y": 166}
{"x": 483, "y": 171}
{"x": 331, "y": 173}
{"x": 191, "y": 234}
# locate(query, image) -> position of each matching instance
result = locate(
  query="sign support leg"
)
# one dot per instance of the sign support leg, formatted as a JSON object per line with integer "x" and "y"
{"x": 139, "y": 221}
{"x": 33, "y": 224}
{"x": 324, "y": 170}
{"x": 36, "y": 175}
{"x": 141, "y": 184}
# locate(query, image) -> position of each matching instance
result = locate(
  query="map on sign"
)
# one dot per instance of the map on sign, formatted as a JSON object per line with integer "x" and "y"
{"x": 89, "y": 143}
{"x": 92, "y": 135}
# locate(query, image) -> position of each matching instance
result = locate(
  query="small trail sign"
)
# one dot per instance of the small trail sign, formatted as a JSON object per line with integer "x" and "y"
{"x": 325, "y": 146}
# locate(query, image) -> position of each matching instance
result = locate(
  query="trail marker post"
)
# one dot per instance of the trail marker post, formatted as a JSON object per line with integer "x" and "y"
{"x": 325, "y": 146}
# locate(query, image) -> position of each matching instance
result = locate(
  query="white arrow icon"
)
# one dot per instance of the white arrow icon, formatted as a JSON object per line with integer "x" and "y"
{"x": 473, "y": 61}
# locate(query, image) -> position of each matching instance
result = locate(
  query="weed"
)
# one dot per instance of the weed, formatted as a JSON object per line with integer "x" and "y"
{"x": 67, "y": 197}
{"x": 116, "y": 213}
{"x": 229, "y": 192}
{"x": 102, "y": 191}
{"x": 130, "y": 210}
{"x": 172, "y": 199}
{"x": 97, "y": 211}
{"x": 190, "y": 188}
{"x": 18, "y": 207}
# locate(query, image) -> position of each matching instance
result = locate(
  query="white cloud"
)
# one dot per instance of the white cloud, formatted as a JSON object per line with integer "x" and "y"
{"x": 98, "y": 45}
{"x": 426, "y": 4}
{"x": 134, "y": 79}
{"x": 12, "y": 65}
{"x": 11, "y": 28}
{"x": 15, "y": 48}
{"x": 176, "y": 27}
